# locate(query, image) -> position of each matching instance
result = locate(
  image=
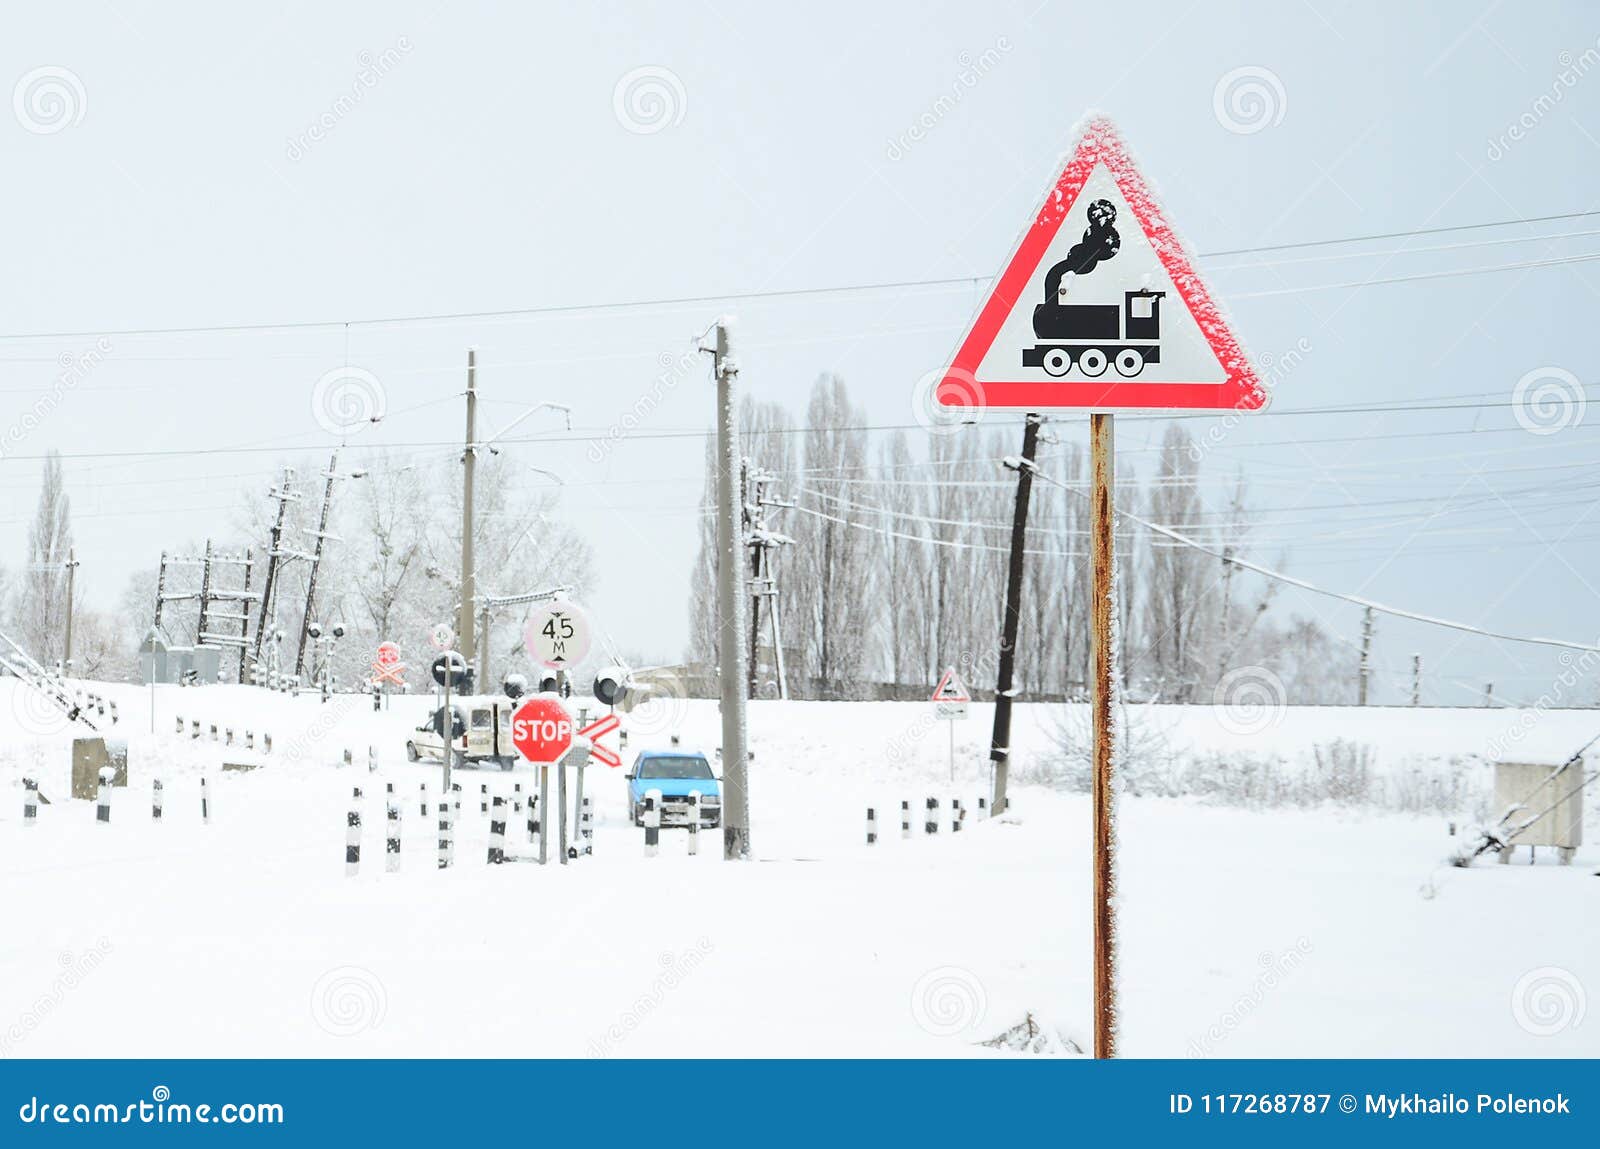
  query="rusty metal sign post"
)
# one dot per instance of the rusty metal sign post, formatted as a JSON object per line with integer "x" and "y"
{"x": 1098, "y": 310}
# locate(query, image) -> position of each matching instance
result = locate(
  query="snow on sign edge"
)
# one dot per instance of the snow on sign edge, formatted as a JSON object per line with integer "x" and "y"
{"x": 958, "y": 387}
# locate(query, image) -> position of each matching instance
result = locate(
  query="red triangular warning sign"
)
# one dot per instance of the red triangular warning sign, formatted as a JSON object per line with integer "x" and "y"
{"x": 1098, "y": 307}
{"x": 951, "y": 688}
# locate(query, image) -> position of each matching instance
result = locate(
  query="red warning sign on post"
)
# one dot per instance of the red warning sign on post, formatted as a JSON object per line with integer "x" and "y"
{"x": 1099, "y": 308}
{"x": 541, "y": 730}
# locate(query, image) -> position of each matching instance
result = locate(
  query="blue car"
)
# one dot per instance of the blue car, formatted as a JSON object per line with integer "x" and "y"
{"x": 675, "y": 773}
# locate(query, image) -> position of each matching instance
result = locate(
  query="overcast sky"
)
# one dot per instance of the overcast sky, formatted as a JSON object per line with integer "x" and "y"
{"x": 175, "y": 166}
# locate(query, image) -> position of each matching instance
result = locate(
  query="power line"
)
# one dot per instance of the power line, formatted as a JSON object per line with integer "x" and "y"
{"x": 967, "y": 281}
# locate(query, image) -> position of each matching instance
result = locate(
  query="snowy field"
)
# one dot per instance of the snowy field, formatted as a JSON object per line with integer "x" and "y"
{"x": 1333, "y": 931}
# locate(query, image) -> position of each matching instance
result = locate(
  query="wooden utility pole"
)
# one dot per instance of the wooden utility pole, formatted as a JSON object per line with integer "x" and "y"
{"x": 1000, "y": 741}
{"x": 1102, "y": 526}
{"x": 469, "y": 582}
{"x": 730, "y": 613}
{"x": 316, "y": 562}
{"x": 269, "y": 582}
{"x": 72, "y": 570}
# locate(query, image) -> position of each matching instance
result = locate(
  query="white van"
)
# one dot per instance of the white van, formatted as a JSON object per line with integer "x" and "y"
{"x": 480, "y": 733}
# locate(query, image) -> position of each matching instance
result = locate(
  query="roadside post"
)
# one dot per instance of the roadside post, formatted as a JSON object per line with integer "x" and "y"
{"x": 1097, "y": 310}
{"x": 950, "y": 698}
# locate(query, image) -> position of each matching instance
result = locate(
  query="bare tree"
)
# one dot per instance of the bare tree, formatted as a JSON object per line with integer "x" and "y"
{"x": 40, "y": 607}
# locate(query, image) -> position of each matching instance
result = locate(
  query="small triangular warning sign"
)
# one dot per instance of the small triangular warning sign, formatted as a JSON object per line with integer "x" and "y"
{"x": 951, "y": 688}
{"x": 1098, "y": 307}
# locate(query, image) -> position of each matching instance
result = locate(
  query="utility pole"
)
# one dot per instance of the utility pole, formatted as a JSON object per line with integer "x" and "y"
{"x": 730, "y": 613}
{"x": 1416, "y": 680}
{"x": 205, "y": 596}
{"x": 244, "y": 609}
{"x": 1366, "y": 657}
{"x": 763, "y": 578}
{"x": 316, "y": 561}
{"x": 1102, "y": 520}
{"x": 66, "y": 654}
{"x": 747, "y": 498}
{"x": 285, "y": 495}
{"x": 161, "y": 588}
{"x": 469, "y": 582}
{"x": 1000, "y": 743}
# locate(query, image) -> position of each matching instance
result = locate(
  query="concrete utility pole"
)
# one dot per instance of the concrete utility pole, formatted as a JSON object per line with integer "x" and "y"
{"x": 316, "y": 555}
{"x": 1416, "y": 680}
{"x": 269, "y": 582}
{"x": 1366, "y": 657}
{"x": 1000, "y": 742}
{"x": 72, "y": 569}
{"x": 1102, "y": 520}
{"x": 469, "y": 582}
{"x": 730, "y": 613}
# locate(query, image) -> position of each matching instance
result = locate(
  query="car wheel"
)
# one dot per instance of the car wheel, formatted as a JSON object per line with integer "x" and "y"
{"x": 411, "y": 752}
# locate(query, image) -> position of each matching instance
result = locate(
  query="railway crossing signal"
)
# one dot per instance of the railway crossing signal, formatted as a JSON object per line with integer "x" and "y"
{"x": 594, "y": 731}
{"x": 386, "y": 665}
{"x": 1098, "y": 307}
{"x": 951, "y": 696}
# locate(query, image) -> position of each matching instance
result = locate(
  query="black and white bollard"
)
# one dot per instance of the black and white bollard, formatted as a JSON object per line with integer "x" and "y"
{"x": 444, "y": 836}
{"x": 348, "y": 757}
{"x": 483, "y": 798}
{"x": 956, "y": 814}
{"x": 180, "y": 724}
{"x": 249, "y": 739}
{"x": 372, "y": 759}
{"x": 424, "y": 799}
{"x": 352, "y": 835}
{"x": 30, "y": 802}
{"x": 497, "y": 832}
{"x": 931, "y": 822}
{"x": 114, "y": 718}
{"x": 227, "y": 739}
{"x": 391, "y": 845}
{"x": 983, "y": 807}
{"x": 694, "y": 822}
{"x": 102, "y": 798}
{"x": 905, "y": 818}
{"x": 156, "y": 798}
{"x": 872, "y": 826}
{"x": 213, "y": 732}
{"x": 652, "y": 823}
{"x": 194, "y": 728}
{"x": 586, "y": 825}
{"x": 205, "y": 801}
{"x": 266, "y": 742}
{"x": 533, "y": 816}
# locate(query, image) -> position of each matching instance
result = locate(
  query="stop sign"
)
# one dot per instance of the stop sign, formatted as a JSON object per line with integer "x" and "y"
{"x": 541, "y": 730}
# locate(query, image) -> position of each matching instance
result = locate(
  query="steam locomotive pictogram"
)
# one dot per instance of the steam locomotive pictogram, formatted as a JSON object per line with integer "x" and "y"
{"x": 1092, "y": 336}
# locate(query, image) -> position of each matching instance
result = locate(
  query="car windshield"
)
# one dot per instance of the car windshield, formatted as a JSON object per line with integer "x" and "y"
{"x": 675, "y": 766}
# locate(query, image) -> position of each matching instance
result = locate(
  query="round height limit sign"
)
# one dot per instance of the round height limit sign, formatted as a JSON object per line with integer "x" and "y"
{"x": 557, "y": 635}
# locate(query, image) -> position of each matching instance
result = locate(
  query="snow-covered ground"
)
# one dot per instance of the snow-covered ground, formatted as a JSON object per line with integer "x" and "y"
{"x": 1321, "y": 932}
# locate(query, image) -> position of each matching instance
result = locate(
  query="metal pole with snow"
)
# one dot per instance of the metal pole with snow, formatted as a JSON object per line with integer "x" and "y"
{"x": 352, "y": 835}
